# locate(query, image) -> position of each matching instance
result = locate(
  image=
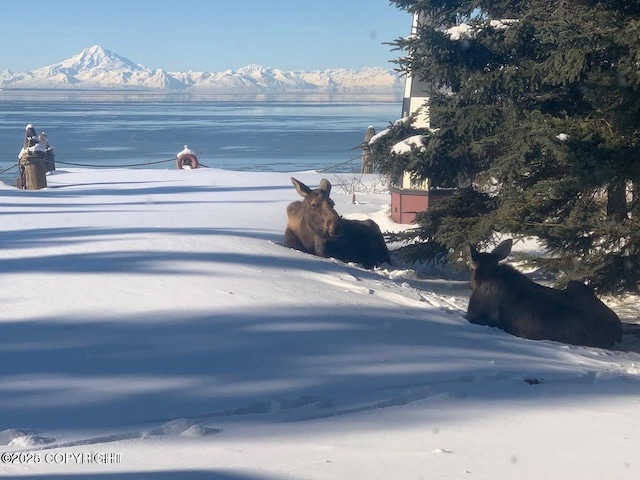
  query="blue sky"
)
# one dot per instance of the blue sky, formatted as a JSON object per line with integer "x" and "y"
{"x": 213, "y": 35}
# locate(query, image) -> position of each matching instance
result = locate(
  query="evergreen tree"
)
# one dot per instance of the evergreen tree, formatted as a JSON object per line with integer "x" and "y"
{"x": 535, "y": 114}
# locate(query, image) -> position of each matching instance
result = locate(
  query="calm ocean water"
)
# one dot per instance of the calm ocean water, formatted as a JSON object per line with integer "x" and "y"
{"x": 284, "y": 133}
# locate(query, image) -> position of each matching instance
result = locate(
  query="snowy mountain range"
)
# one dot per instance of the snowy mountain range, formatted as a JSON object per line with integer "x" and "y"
{"x": 98, "y": 68}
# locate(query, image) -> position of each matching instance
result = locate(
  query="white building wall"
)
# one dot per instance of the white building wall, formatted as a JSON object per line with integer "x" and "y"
{"x": 415, "y": 92}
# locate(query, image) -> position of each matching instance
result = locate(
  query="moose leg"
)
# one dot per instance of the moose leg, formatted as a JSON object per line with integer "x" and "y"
{"x": 291, "y": 240}
{"x": 320, "y": 248}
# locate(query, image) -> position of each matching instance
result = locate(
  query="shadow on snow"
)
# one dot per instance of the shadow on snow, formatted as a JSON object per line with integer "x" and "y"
{"x": 161, "y": 475}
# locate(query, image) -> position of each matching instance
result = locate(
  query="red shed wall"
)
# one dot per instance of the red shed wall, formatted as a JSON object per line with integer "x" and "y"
{"x": 406, "y": 203}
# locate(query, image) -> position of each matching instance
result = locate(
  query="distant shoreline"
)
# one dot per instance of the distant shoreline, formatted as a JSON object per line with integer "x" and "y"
{"x": 141, "y": 95}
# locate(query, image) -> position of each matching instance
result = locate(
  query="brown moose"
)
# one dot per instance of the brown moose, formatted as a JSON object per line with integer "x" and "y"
{"x": 505, "y": 298}
{"x": 314, "y": 226}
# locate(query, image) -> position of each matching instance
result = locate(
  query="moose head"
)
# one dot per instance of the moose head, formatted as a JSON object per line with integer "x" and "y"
{"x": 317, "y": 210}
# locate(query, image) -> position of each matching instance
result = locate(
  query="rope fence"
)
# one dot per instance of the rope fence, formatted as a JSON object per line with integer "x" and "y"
{"x": 321, "y": 170}
{"x": 58, "y": 162}
{"x": 129, "y": 165}
{"x": 7, "y": 169}
{"x": 144, "y": 164}
{"x": 331, "y": 167}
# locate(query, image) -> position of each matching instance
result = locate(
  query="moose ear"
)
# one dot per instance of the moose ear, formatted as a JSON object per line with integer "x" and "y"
{"x": 301, "y": 188}
{"x": 325, "y": 185}
{"x": 503, "y": 250}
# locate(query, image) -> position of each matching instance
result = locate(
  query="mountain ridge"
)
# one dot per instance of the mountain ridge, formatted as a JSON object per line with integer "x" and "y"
{"x": 98, "y": 68}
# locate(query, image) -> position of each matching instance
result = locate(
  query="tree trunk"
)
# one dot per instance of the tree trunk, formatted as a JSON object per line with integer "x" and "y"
{"x": 617, "y": 200}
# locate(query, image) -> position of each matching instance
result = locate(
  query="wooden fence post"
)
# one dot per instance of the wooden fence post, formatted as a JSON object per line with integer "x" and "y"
{"x": 49, "y": 160}
{"x": 367, "y": 165}
{"x": 35, "y": 172}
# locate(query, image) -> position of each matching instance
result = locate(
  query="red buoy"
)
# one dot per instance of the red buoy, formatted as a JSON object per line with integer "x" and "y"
{"x": 187, "y": 158}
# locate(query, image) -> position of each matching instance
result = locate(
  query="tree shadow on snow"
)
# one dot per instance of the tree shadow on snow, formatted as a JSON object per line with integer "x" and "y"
{"x": 91, "y": 261}
{"x": 171, "y": 371}
{"x": 162, "y": 475}
{"x": 177, "y": 372}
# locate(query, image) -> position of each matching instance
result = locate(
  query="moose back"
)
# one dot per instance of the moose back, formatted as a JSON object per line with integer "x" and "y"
{"x": 505, "y": 298}
{"x": 314, "y": 226}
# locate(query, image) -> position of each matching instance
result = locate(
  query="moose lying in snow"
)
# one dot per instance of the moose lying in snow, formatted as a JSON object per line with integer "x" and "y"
{"x": 313, "y": 226}
{"x": 505, "y": 298}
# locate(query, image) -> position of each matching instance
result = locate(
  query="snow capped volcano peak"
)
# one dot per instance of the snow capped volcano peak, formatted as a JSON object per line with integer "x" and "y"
{"x": 96, "y": 57}
{"x": 97, "y": 67}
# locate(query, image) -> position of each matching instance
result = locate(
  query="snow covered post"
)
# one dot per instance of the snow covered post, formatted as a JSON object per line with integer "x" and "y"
{"x": 49, "y": 160}
{"x": 367, "y": 166}
{"x": 49, "y": 156}
{"x": 33, "y": 168}
{"x": 35, "y": 171}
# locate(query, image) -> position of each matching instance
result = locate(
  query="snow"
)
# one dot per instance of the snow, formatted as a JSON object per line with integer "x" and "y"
{"x": 464, "y": 30}
{"x": 185, "y": 151}
{"x": 386, "y": 131}
{"x": 460, "y": 32}
{"x": 153, "y": 326}
{"x": 409, "y": 144}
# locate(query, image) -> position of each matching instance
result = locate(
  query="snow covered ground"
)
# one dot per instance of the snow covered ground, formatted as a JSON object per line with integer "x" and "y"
{"x": 152, "y": 326}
